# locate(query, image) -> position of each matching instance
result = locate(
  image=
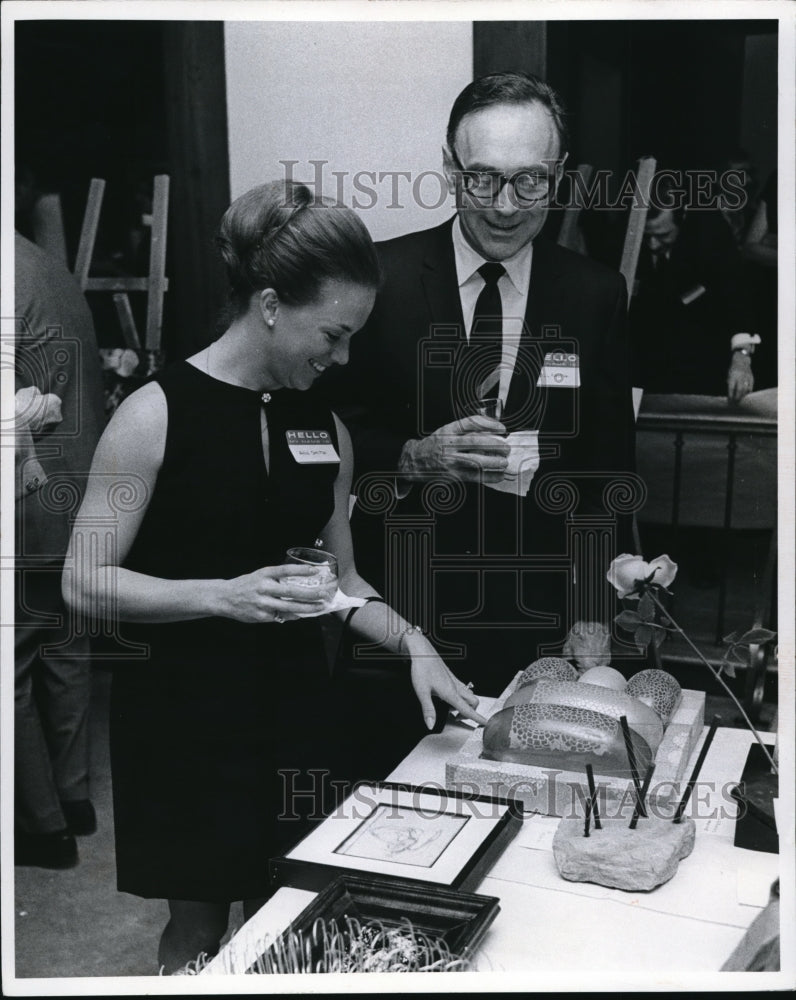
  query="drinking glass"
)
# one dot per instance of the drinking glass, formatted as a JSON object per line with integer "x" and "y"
{"x": 325, "y": 562}
{"x": 489, "y": 407}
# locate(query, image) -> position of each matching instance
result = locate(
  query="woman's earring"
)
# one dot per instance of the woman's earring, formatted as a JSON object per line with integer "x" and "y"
{"x": 270, "y": 322}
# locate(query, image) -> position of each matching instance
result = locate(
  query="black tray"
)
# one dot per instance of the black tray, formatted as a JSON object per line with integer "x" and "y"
{"x": 458, "y": 919}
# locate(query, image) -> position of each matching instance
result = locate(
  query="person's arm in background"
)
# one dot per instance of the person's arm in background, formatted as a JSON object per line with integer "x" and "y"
{"x": 760, "y": 245}
{"x": 33, "y": 412}
{"x": 740, "y": 377}
{"x": 730, "y": 295}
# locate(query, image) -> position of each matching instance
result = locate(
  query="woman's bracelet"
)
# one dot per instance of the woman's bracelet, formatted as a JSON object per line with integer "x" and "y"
{"x": 407, "y": 631}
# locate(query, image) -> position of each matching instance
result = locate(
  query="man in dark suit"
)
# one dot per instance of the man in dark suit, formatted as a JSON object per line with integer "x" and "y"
{"x": 443, "y": 524}
{"x": 691, "y": 327}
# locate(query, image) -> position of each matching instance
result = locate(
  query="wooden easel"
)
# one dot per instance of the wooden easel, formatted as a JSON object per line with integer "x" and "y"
{"x": 155, "y": 284}
{"x": 634, "y": 234}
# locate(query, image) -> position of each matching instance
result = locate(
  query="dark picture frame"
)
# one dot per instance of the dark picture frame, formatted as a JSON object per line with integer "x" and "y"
{"x": 473, "y": 830}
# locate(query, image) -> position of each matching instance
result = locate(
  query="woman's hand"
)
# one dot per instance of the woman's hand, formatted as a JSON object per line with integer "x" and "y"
{"x": 430, "y": 676}
{"x": 269, "y": 595}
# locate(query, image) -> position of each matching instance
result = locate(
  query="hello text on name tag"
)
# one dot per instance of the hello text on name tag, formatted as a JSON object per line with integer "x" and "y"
{"x": 311, "y": 447}
{"x": 560, "y": 371}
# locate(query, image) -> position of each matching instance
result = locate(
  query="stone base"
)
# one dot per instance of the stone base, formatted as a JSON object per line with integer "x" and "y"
{"x": 560, "y": 792}
{"x": 621, "y": 858}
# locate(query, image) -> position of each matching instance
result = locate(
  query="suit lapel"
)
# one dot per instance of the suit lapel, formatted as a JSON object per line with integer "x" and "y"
{"x": 440, "y": 283}
{"x": 526, "y": 402}
{"x": 446, "y": 326}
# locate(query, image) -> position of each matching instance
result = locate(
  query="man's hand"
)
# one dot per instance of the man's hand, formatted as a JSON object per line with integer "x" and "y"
{"x": 470, "y": 449}
{"x": 740, "y": 380}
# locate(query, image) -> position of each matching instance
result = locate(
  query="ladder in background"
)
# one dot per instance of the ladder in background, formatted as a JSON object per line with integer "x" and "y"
{"x": 634, "y": 234}
{"x": 155, "y": 284}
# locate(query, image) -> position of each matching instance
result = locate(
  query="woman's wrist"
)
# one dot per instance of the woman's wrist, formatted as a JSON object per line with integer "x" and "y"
{"x": 412, "y": 641}
{"x": 214, "y": 598}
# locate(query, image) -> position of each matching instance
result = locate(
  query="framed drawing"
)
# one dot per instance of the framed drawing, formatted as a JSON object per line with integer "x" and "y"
{"x": 426, "y": 834}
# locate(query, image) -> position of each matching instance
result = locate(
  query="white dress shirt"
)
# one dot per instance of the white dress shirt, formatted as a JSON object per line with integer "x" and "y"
{"x": 513, "y": 287}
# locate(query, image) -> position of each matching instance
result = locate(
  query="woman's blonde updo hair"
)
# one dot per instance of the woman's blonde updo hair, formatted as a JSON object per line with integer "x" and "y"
{"x": 281, "y": 235}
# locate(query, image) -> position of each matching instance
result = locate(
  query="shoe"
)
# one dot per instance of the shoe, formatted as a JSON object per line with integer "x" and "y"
{"x": 45, "y": 850}
{"x": 80, "y": 816}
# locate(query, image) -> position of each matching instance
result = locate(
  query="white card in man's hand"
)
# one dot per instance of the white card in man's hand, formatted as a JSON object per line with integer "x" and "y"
{"x": 523, "y": 463}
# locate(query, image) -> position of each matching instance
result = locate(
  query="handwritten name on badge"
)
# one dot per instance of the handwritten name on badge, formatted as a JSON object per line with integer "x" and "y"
{"x": 311, "y": 447}
{"x": 560, "y": 371}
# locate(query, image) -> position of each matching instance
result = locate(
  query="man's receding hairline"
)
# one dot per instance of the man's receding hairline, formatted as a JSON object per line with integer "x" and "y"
{"x": 510, "y": 103}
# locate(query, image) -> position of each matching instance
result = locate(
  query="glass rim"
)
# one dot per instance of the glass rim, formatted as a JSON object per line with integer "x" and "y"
{"x": 297, "y": 552}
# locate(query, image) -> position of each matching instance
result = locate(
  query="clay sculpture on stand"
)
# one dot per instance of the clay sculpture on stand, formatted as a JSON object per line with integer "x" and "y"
{"x": 569, "y": 723}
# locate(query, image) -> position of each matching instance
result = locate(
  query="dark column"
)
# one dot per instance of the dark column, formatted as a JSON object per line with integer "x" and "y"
{"x": 196, "y": 112}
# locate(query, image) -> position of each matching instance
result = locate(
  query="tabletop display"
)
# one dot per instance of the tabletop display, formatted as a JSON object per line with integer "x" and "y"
{"x": 548, "y": 725}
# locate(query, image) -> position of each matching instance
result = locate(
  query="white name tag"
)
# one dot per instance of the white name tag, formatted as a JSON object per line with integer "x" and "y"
{"x": 560, "y": 371}
{"x": 311, "y": 447}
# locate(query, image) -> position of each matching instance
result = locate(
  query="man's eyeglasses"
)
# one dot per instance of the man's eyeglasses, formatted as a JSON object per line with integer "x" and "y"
{"x": 528, "y": 185}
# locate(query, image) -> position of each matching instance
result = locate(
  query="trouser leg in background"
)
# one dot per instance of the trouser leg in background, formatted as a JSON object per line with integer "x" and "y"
{"x": 52, "y": 695}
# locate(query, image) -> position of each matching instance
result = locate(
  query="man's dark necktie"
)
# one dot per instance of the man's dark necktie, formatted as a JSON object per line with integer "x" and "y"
{"x": 480, "y": 357}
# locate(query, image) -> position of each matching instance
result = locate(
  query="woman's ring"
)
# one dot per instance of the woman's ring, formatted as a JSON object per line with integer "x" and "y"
{"x": 279, "y": 619}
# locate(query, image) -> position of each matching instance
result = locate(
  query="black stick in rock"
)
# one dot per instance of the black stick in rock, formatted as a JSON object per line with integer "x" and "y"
{"x": 631, "y": 758}
{"x": 640, "y": 803}
{"x": 714, "y": 725}
{"x": 588, "y": 817}
{"x": 593, "y": 797}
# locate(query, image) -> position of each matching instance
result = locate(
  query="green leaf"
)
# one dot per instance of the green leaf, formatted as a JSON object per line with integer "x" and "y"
{"x": 628, "y": 620}
{"x": 646, "y": 608}
{"x": 757, "y": 636}
{"x": 731, "y": 638}
{"x": 658, "y": 636}
{"x": 729, "y": 669}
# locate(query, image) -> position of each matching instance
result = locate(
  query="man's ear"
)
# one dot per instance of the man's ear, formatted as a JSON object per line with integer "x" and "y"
{"x": 449, "y": 169}
{"x": 560, "y": 168}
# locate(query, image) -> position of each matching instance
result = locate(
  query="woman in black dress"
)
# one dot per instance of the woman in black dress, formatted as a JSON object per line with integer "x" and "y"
{"x": 197, "y": 489}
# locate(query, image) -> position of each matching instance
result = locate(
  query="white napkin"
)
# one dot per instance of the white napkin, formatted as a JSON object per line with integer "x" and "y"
{"x": 339, "y": 602}
{"x": 35, "y": 410}
{"x": 523, "y": 463}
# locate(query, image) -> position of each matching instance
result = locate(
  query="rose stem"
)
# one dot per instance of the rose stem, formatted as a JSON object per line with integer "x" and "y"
{"x": 632, "y": 761}
{"x": 721, "y": 681}
{"x": 678, "y": 816}
{"x": 644, "y": 789}
{"x": 593, "y": 796}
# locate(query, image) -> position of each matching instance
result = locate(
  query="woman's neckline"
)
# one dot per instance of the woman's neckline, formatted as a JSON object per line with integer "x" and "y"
{"x": 230, "y": 385}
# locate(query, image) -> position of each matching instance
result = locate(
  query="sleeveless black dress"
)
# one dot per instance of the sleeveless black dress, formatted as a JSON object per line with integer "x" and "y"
{"x": 202, "y": 728}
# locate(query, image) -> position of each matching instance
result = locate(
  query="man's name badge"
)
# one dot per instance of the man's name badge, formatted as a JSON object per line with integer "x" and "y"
{"x": 311, "y": 447}
{"x": 560, "y": 371}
